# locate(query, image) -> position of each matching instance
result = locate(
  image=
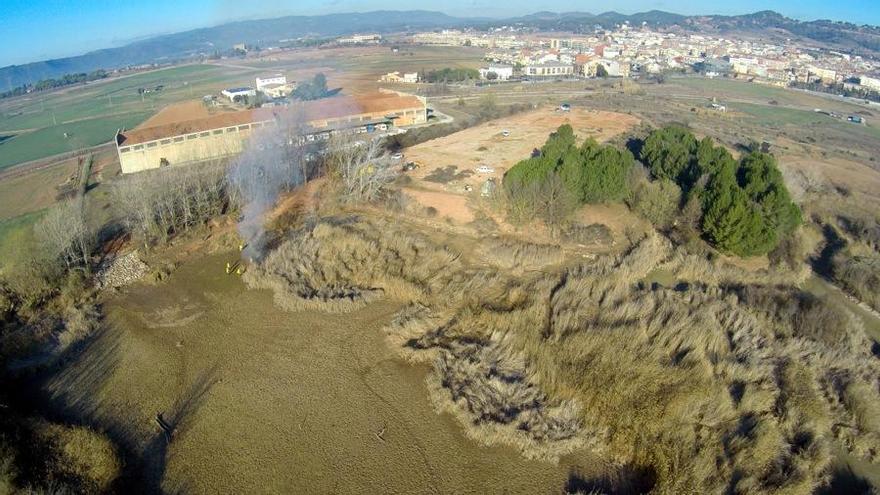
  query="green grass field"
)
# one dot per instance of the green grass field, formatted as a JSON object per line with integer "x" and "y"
{"x": 51, "y": 141}
{"x": 115, "y": 96}
{"x": 775, "y": 116}
{"x": 15, "y": 233}
{"x": 735, "y": 88}
{"x": 90, "y": 114}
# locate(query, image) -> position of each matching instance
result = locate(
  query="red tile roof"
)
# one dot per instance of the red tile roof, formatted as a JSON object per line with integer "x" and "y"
{"x": 315, "y": 111}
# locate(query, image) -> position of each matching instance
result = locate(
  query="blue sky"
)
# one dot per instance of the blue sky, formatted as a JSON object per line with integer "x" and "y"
{"x": 34, "y": 30}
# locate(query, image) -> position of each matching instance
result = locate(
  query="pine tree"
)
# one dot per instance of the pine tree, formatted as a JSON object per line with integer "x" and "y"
{"x": 668, "y": 152}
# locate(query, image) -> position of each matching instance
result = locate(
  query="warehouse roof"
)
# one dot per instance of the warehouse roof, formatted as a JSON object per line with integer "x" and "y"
{"x": 314, "y": 112}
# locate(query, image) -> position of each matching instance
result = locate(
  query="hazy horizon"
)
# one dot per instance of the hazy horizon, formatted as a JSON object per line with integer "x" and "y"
{"x": 82, "y": 27}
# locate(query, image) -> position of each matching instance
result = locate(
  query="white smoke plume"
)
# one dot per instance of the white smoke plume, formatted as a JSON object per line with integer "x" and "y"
{"x": 273, "y": 161}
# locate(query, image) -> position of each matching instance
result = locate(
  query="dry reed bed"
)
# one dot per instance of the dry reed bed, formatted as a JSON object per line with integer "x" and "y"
{"x": 737, "y": 383}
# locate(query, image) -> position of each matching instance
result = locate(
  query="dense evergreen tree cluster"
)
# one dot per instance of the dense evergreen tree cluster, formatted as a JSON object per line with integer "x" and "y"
{"x": 449, "y": 75}
{"x": 746, "y": 207}
{"x": 592, "y": 173}
{"x": 314, "y": 89}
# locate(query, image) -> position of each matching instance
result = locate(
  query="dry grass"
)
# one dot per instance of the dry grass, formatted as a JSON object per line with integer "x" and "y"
{"x": 512, "y": 254}
{"x": 7, "y": 468}
{"x": 79, "y": 457}
{"x": 735, "y": 381}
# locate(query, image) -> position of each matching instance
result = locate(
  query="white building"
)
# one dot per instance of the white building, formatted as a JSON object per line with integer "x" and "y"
{"x": 549, "y": 69}
{"x": 872, "y": 83}
{"x": 502, "y": 71}
{"x": 826, "y": 75}
{"x": 233, "y": 93}
{"x": 360, "y": 38}
{"x": 262, "y": 82}
{"x": 396, "y": 77}
{"x": 615, "y": 68}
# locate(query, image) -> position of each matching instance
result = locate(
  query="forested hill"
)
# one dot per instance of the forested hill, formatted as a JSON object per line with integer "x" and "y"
{"x": 267, "y": 32}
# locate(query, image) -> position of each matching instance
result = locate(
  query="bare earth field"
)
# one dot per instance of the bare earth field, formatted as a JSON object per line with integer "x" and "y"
{"x": 448, "y": 164}
{"x": 275, "y": 402}
{"x": 179, "y": 112}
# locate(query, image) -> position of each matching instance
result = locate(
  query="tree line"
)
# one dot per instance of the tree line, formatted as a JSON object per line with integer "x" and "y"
{"x": 838, "y": 89}
{"x": 65, "y": 80}
{"x": 448, "y": 74}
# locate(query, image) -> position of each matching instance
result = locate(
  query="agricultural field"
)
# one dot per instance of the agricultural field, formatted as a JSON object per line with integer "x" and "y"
{"x": 15, "y": 234}
{"x": 90, "y": 114}
{"x": 38, "y": 126}
{"x": 62, "y": 138}
{"x": 357, "y": 69}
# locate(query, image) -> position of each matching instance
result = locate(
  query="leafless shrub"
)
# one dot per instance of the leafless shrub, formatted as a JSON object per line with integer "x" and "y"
{"x": 362, "y": 168}
{"x": 64, "y": 232}
{"x": 596, "y": 234}
{"x": 801, "y": 314}
{"x": 157, "y": 204}
{"x": 859, "y": 275}
{"x": 79, "y": 323}
{"x": 489, "y": 391}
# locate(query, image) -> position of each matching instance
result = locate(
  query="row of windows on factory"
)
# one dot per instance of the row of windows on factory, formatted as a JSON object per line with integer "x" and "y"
{"x": 244, "y": 127}
{"x": 196, "y": 135}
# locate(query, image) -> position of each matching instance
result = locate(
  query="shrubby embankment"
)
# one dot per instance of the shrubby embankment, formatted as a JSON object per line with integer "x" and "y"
{"x": 729, "y": 380}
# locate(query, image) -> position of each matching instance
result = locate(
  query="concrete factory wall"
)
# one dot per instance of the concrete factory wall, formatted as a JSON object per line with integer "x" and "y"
{"x": 207, "y": 145}
{"x": 225, "y": 134}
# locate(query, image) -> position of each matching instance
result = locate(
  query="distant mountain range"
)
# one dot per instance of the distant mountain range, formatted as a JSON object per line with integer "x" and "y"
{"x": 267, "y": 32}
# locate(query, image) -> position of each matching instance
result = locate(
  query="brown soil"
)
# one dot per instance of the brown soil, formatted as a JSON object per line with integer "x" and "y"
{"x": 484, "y": 145}
{"x": 180, "y": 112}
{"x": 616, "y": 217}
{"x": 287, "y": 402}
{"x": 836, "y": 171}
{"x": 447, "y": 204}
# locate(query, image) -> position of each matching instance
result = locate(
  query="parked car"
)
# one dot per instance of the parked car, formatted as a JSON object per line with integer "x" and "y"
{"x": 505, "y": 133}
{"x": 397, "y": 156}
{"x": 485, "y": 169}
{"x": 565, "y": 107}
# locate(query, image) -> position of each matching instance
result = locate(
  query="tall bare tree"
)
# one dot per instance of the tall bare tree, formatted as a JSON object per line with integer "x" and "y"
{"x": 362, "y": 168}
{"x": 66, "y": 234}
{"x": 160, "y": 203}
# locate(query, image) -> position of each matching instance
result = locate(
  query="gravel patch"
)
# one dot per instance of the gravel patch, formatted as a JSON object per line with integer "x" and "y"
{"x": 121, "y": 270}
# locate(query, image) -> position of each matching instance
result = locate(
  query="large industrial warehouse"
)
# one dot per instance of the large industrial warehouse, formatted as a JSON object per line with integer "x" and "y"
{"x": 225, "y": 134}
